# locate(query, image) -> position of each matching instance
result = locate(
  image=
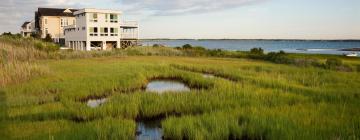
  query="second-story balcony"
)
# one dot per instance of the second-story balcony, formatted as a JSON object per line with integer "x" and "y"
{"x": 129, "y": 35}
{"x": 70, "y": 27}
{"x": 25, "y": 30}
{"x": 129, "y": 24}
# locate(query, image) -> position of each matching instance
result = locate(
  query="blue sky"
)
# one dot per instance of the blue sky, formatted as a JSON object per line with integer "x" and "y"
{"x": 242, "y": 19}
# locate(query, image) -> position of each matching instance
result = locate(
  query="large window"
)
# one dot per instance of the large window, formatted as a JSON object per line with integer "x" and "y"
{"x": 106, "y": 17}
{"x": 93, "y": 17}
{"x": 114, "y": 18}
{"x": 104, "y": 31}
{"x": 63, "y": 22}
{"x": 93, "y": 31}
{"x": 113, "y": 31}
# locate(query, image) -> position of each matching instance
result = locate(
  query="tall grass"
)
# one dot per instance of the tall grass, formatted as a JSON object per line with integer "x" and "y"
{"x": 16, "y": 60}
{"x": 44, "y": 94}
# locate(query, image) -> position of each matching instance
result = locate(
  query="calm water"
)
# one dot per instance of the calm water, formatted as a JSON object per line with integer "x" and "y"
{"x": 161, "y": 86}
{"x": 293, "y": 46}
{"x": 96, "y": 103}
{"x": 149, "y": 130}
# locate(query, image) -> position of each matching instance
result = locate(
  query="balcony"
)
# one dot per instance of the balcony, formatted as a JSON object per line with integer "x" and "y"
{"x": 26, "y": 30}
{"x": 129, "y": 35}
{"x": 129, "y": 24}
{"x": 70, "y": 27}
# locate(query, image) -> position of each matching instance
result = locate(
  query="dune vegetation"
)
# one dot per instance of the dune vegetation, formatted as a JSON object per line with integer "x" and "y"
{"x": 43, "y": 94}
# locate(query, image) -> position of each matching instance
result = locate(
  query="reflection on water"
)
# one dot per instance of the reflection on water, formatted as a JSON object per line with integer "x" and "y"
{"x": 96, "y": 102}
{"x": 149, "y": 130}
{"x": 161, "y": 86}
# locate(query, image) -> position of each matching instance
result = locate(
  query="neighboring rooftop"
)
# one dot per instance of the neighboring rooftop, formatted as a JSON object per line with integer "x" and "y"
{"x": 92, "y": 10}
{"x": 56, "y": 12}
{"x": 24, "y": 24}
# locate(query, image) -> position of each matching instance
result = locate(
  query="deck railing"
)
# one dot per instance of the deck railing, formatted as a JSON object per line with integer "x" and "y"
{"x": 129, "y": 35}
{"x": 134, "y": 24}
{"x": 26, "y": 30}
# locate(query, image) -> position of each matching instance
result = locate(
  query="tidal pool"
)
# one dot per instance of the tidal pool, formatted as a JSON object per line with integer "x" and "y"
{"x": 149, "y": 130}
{"x": 96, "y": 102}
{"x": 161, "y": 86}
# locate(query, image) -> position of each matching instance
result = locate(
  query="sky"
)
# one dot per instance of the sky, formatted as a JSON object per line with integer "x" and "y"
{"x": 213, "y": 19}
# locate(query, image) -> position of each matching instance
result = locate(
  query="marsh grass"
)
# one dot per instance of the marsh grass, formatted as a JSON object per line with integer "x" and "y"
{"x": 43, "y": 96}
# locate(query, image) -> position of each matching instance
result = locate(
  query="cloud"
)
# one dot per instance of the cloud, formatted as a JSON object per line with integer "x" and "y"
{"x": 178, "y": 7}
{"x": 14, "y": 12}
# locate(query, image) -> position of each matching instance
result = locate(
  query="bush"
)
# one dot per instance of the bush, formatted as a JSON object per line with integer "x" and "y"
{"x": 7, "y": 33}
{"x": 278, "y": 57}
{"x": 158, "y": 45}
{"x": 358, "y": 68}
{"x": 257, "y": 51}
{"x": 36, "y": 35}
{"x": 305, "y": 62}
{"x": 332, "y": 63}
{"x": 48, "y": 38}
{"x": 187, "y": 46}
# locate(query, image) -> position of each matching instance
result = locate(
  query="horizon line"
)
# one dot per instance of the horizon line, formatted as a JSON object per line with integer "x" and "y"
{"x": 247, "y": 39}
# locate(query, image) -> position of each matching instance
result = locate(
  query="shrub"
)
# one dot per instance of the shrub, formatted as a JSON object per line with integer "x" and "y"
{"x": 332, "y": 63}
{"x": 257, "y": 51}
{"x": 158, "y": 45}
{"x": 6, "y": 34}
{"x": 344, "y": 68}
{"x": 187, "y": 46}
{"x": 278, "y": 57}
{"x": 48, "y": 38}
{"x": 305, "y": 62}
{"x": 36, "y": 35}
{"x": 358, "y": 68}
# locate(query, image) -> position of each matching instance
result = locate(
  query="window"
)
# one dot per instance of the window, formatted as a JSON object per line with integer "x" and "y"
{"x": 106, "y": 17}
{"x": 113, "y": 18}
{"x": 73, "y": 21}
{"x": 63, "y": 22}
{"x": 45, "y": 20}
{"x": 83, "y": 28}
{"x": 104, "y": 31}
{"x": 93, "y": 31}
{"x": 113, "y": 31}
{"x": 94, "y": 17}
{"x": 46, "y": 31}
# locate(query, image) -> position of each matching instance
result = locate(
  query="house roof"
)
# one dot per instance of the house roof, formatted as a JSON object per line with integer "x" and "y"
{"x": 56, "y": 12}
{"x": 24, "y": 24}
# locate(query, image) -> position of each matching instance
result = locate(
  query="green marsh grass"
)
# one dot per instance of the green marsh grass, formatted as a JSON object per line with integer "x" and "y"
{"x": 43, "y": 95}
{"x": 247, "y": 99}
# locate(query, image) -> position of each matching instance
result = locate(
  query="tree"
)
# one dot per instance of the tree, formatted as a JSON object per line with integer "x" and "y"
{"x": 48, "y": 38}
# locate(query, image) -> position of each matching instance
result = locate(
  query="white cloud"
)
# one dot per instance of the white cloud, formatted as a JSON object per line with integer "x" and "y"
{"x": 175, "y": 7}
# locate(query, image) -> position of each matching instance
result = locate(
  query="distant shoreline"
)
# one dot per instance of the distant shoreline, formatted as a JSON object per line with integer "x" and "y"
{"x": 339, "y": 40}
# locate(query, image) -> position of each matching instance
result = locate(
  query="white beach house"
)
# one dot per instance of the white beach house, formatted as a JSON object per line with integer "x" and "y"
{"x": 97, "y": 29}
{"x": 27, "y": 28}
